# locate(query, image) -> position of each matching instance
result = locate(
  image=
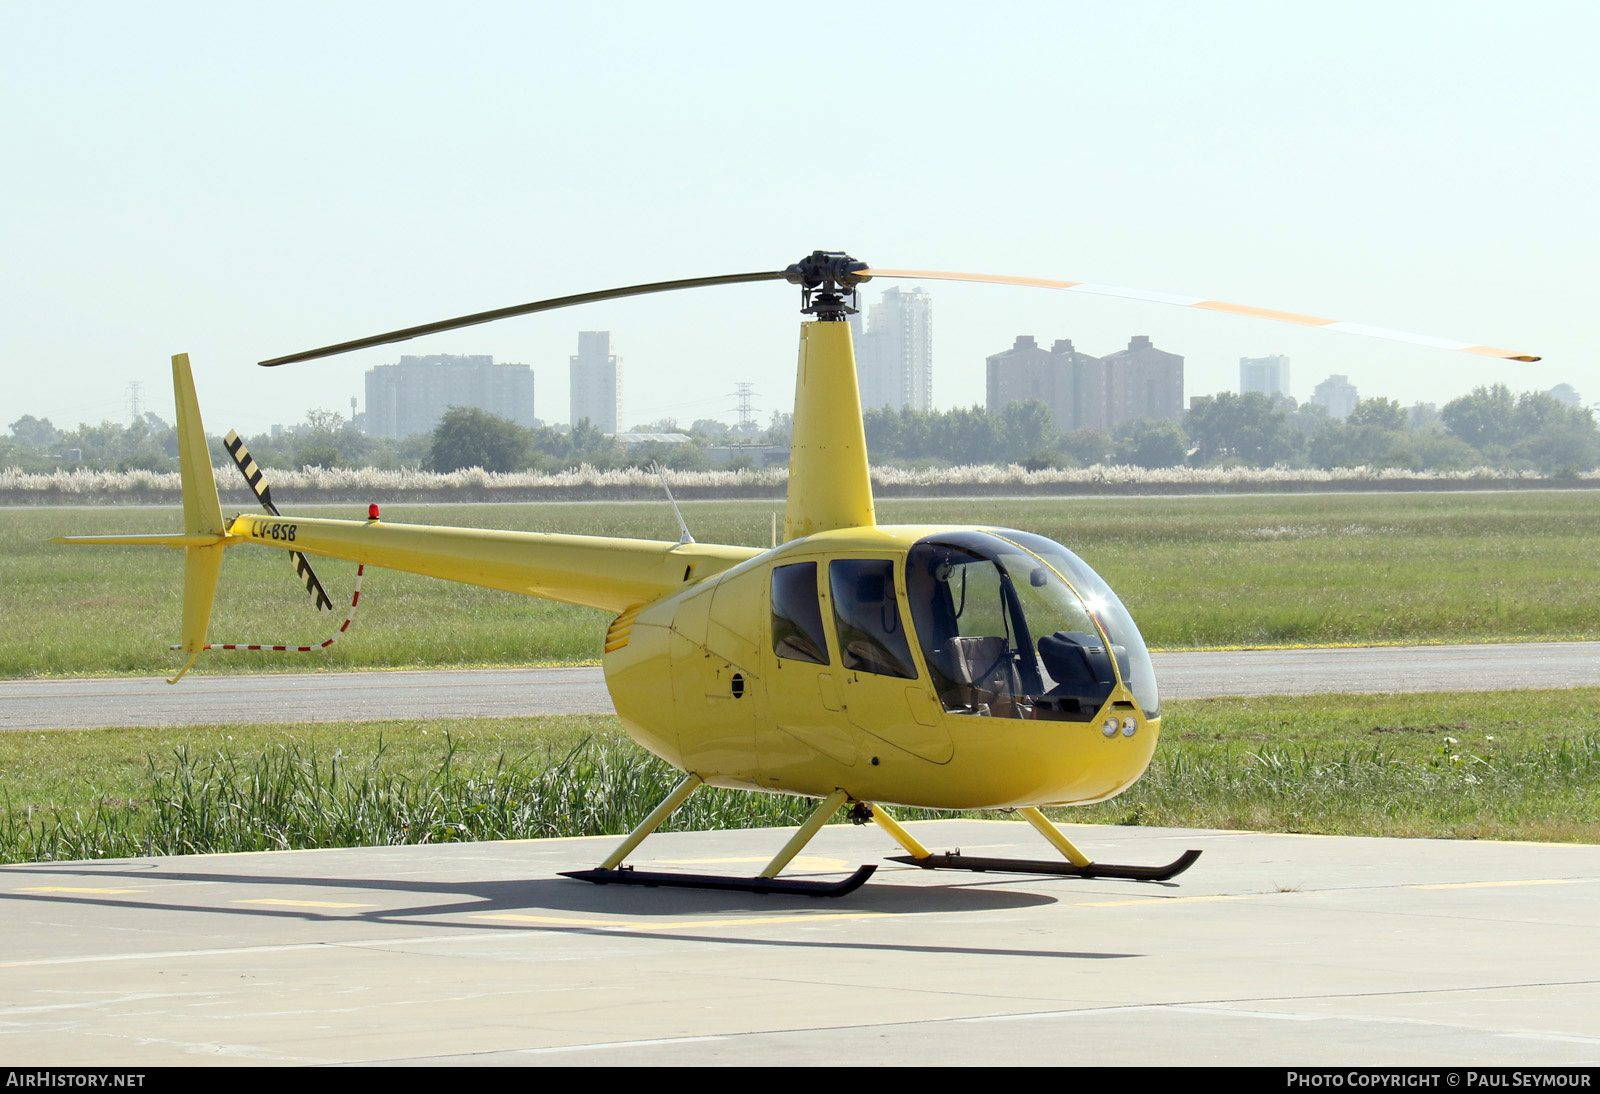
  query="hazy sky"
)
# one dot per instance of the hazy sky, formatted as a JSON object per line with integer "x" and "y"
{"x": 244, "y": 181}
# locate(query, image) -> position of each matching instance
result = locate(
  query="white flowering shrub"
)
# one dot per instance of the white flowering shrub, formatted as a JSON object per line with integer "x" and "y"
{"x": 21, "y": 485}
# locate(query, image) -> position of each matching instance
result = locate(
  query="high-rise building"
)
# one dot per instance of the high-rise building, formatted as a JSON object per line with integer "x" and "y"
{"x": 1085, "y": 392}
{"x": 1338, "y": 395}
{"x": 1025, "y": 371}
{"x": 410, "y": 397}
{"x": 1267, "y": 375}
{"x": 894, "y": 357}
{"x": 596, "y": 374}
{"x": 1142, "y": 382}
{"x": 1070, "y": 383}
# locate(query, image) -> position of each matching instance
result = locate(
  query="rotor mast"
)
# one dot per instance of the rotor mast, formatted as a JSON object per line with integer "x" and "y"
{"x": 829, "y": 482}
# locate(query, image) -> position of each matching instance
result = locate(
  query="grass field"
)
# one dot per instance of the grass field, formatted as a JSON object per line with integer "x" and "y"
{"x": 1501, "y": 765}
{"x": 1195, "y": 572}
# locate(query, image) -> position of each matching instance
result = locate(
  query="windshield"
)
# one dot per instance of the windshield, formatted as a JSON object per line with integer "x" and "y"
{"x": 1015, "y": 625}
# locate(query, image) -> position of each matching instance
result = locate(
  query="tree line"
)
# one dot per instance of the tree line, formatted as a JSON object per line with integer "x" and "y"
{"x": 1490, "y": 427}
{"x": 466, "y": 437}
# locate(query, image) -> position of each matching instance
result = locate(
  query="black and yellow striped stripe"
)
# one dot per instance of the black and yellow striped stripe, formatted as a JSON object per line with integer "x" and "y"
{"x": 247, "y": 467}
{"x": 258, "y": 483}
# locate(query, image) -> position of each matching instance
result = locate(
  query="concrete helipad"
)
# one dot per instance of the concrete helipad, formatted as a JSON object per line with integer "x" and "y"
{"x": 1274, "y": 949}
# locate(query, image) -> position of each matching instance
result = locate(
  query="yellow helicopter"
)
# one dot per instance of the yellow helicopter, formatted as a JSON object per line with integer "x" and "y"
{"x": 855, "y": 663}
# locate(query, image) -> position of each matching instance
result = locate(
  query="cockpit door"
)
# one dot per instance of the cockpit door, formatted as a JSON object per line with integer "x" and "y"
{"x": 884, "y": 693}
{"x": 804, "y": 715}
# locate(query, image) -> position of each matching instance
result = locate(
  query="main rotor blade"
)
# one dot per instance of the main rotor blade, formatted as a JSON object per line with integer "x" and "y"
{"x": 1209, "y": 305}
{"x": 522, "y": 309}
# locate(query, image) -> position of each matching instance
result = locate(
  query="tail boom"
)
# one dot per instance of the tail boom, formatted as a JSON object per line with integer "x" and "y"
{"x": 593, "y": 571}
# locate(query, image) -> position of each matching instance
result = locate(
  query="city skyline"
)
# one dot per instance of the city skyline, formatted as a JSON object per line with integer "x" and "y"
{"x": 441, "y": 380}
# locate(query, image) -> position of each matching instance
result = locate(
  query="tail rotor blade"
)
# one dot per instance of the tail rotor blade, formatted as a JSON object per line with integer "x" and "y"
{"x": 1209, "y": 305}
{"x": 258, "y": 483}
{"x": 247, "y": 467}
{"x": 318, "y": 594}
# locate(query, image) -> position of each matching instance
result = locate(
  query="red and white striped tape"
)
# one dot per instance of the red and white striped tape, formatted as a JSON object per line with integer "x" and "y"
{"x": 354, "y": 600}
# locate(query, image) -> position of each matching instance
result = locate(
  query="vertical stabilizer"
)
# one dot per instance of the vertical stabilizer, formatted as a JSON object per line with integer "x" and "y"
{"x": 829, "y": 484}
{"x": 202, "y": 513}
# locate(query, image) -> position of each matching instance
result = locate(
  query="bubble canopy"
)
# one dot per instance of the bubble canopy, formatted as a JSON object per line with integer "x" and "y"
{"x": 1015, "y": 625}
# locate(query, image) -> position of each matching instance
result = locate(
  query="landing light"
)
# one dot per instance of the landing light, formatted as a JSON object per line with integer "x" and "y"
{"x": 1129, "y": 724}
{"x": 1109, "y": 727}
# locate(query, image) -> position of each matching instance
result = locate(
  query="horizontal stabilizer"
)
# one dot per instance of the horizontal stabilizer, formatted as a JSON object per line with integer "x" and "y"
{"x": 175, "y": 540}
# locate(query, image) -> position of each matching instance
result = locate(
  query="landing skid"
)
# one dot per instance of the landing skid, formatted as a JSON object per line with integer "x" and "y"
{"x": 613, "y": 872}
{"x": 958, "y": 861}
{"x": 788, "y": 886}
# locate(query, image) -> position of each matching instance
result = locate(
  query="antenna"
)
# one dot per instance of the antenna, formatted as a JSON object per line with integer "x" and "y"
{"x": 133, "y": 399}
{"x": 662, "y": 475}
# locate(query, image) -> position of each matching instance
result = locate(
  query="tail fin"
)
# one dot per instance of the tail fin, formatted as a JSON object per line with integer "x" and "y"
{"x": 204, "y": 535}
{"x": 202, "y": 509}
{"x": 202, "y": 513}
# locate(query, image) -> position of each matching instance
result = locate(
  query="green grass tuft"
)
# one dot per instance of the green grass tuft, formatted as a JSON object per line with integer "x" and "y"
{"x": 1500, "y": 765}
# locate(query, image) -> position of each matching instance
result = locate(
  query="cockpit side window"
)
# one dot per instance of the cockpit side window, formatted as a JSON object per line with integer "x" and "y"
{"x": 866, "y": 613}
{"x": 1004, "y": 634}
{"x": 971, "y": 630}
{"x": 797, "y": 632}
{"x": 1133, "y": 658}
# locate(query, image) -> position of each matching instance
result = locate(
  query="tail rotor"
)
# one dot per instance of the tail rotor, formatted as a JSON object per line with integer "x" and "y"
{"x": 258, "y": 484}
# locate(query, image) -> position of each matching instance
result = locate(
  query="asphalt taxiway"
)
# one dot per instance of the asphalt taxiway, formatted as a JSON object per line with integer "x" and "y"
{"x": 483, "y": 693}
{"x": 1273, "y": 949}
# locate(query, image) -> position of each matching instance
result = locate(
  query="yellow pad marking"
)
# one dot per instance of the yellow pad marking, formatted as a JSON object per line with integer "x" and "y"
{"x": 678, "y": 925}
{"x": 1168, "y": 900}
{"x": 73, "y": 889}
{"x": 1504, "y": 884}
{"x": 305, "y": 903}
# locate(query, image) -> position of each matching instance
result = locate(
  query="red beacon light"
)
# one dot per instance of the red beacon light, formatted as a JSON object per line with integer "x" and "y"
{"x": 372, "y": 511}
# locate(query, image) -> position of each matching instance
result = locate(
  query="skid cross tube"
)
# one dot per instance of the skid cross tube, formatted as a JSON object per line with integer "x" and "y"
{"x": 1060, "y": 842}
{"x": 882, "y": 819}
{"x": 658, "y": 815}
{"x": 819, "y": 816}
{"x": 614, "y": 873}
